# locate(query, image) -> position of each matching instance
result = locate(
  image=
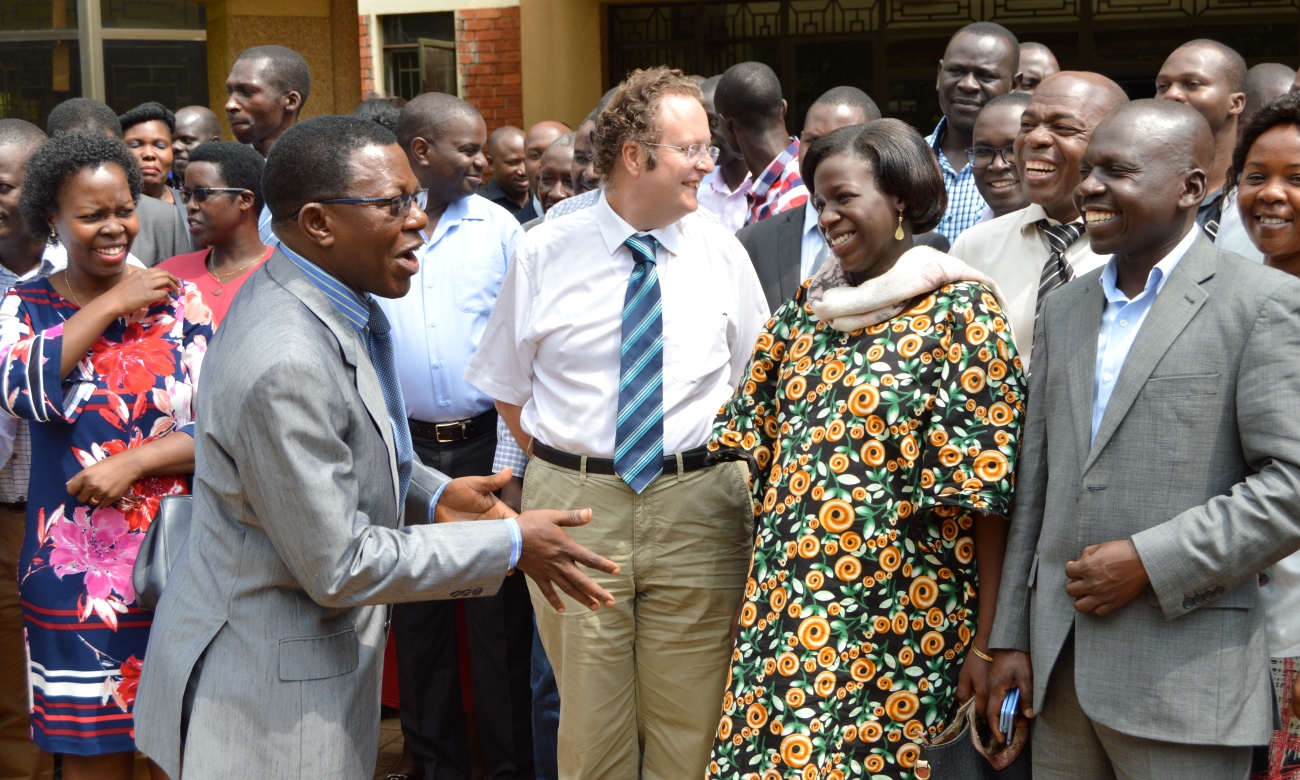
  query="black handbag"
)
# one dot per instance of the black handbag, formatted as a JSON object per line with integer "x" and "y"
{"x": 162, "y": 543}
{"x": 966, "y": 750}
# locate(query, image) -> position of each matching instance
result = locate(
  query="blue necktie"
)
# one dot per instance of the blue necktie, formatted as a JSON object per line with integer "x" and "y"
{"x": 639, "y": 440}
{"x": 380, "y": 346}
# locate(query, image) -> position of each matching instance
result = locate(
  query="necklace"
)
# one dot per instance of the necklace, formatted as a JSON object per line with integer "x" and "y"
{"x": 67, "y": 278}
{"x": 221, "y": 278}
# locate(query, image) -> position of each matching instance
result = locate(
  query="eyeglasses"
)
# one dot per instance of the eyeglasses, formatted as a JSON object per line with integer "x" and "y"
{"x": 398, "y": 205}
{"x": 694, "y": 152}
{"x": 201, "y": 194}
{"x": 982, "y": 156}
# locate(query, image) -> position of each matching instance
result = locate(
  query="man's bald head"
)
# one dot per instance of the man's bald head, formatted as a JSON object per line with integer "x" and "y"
{"x": 200, "y": 121}
{"x": 429, "y": 115}
{"x": 507, "y": 135}
{"x": 19, "y": 137}
{"x": 1037, "y": 62}
{"x": 1265, "y": 83}
{"x": 536, "y": 141}
{"x": 1174, "y": 133}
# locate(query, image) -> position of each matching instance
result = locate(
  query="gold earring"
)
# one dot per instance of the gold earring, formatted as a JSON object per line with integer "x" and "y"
{"x": 898, "y": 232}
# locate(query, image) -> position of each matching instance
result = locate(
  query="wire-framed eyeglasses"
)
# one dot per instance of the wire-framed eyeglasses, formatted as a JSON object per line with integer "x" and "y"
{"x": 694, "y": 153}
{"x": 982, "y": 156}
{"x": 201, "y": 194}
{"x": 398, "y": 205}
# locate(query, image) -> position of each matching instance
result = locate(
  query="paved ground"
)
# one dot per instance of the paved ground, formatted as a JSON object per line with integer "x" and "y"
{"x": 390, "y": 746}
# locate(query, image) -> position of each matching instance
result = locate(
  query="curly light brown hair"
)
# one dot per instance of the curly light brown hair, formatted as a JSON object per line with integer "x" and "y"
{"x": 633, "y": 115}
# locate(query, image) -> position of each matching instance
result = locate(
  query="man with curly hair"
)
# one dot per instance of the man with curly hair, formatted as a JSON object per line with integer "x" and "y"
{"x": 619, "y": 331}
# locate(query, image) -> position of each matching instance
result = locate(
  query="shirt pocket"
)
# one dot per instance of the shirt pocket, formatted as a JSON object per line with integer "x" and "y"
{"x": 476, "y": 280}
{"x": 698, "y": 347}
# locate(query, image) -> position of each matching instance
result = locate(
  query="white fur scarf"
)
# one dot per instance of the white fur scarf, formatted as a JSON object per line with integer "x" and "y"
{"x": 920, "y": 271}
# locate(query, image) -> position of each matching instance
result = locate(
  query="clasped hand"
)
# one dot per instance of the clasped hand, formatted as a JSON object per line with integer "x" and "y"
{"x": 1106, "y": 577}
{"x": 550, "y": 556}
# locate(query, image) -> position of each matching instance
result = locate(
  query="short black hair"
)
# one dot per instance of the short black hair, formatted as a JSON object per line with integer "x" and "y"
{"x": 901, "y": 162}
{"x": 238, "y": 165}
{"x": 1234, "y": 64}
{"x": 382, "y": 111}
{"x": 851, "y": 97}
{"x": 750, "y": 93}
{"x": 286, "y": 70}
{"x": 428, "y": 115}
{"x": 995, "y": 30}
{"x": 20, "y": 133}
{"x": 1020, "y": 99}
{"x": 148, "y": 112}
{"x": 312, "y": 161}
{"x": 1285, "y": 110}
{"x": 82, "y": 115}
{"x": 833, "y": 143}
{"x": 61, "y": 158}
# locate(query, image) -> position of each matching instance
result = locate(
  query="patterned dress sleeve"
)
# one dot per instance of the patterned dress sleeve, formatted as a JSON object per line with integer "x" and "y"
{"x": 972, "y": 438}
{"x": 177, "y": 398}
{"x": 30, "y": 357}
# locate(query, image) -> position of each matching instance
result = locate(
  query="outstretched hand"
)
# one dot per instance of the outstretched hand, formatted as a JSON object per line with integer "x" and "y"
{"x": 551, "y": 558}
{"x": 471, "y": 498}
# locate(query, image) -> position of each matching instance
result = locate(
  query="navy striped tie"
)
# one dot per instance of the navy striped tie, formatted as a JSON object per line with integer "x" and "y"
{"x": 639, "y": 439}
{"x": 379, "y": 343}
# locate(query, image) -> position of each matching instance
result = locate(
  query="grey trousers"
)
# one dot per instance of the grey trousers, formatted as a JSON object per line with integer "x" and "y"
{"x": 1068, "y": 745}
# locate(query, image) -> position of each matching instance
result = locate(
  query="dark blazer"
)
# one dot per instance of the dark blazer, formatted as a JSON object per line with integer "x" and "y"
{"x": 774, "y": 246}
{"x": 1197, "y": 461}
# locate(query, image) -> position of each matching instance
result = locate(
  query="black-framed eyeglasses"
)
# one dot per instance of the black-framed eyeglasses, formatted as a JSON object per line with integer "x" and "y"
{"x": 694, "y": 153}
{"x": 398, "y": 205}
{"x": 201, "y": 194}
{"x": 982, "y": 156}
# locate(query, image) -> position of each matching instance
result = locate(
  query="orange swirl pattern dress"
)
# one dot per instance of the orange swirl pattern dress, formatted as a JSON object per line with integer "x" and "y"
{"x": 873, "y": 450}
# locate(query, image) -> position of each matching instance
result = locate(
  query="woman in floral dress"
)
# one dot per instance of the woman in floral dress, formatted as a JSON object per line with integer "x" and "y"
{"x": 881, "y": 416}
{"x": 102, "y": 358}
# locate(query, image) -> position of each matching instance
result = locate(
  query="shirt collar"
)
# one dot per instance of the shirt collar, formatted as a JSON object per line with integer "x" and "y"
{"x": 936, "y": 143}
{"x": 463, "y": 210}
{"x": 810, "y": 217}
{"x": 44, "y": 268}
{"x": 719, "y": 185}
{"x": 776, "y": 170}
{"x": 352, "y": 306}
{"x": 1158, "y": 276}
{"x": 614, "y": 230}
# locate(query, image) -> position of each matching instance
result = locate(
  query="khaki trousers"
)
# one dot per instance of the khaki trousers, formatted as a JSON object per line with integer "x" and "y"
{"x": 641, "y": 683}
{"x": 20, "y": 759}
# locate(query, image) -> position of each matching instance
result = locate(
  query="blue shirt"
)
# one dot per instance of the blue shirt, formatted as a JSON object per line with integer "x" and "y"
{"x": 438, "y": 324}
{"x": 356, "y": 310}
{"x": 264, "y": 230}
{"x": 1120, "y": 322}
{"x": 965, "y": 204}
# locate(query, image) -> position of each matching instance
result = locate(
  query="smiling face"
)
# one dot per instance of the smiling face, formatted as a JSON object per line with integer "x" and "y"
{"x": 451, "y": 167}
{"x": 1054, "y": 131}
{"x": 1139, "y": 193}
{"x": 508, "y": 168}
{"x": 1268, "y": 196}
{"x": 669, "y": 190}
{"x": 999, "y": 183}
{"x": 539, "y": 138}
{"x": 151, "y": 145}
{"x": 555, "y": 183}
{"x": 974, "y": 70}
{"x": 13, "y": 167}
{"x": 258, "y": 112}
{"x": 96, "y": 220}
{"x": 214, "y": 222}
{"x": 857, "y": 219}
{"x": 583, "y": 173}
{"x": 372, "y": 250}
{"x": 1196, "y": 75}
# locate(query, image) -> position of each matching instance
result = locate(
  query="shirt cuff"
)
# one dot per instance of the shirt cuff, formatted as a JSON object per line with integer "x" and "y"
{"x": 433, "y": 502}
{"x": 516, "y": 542}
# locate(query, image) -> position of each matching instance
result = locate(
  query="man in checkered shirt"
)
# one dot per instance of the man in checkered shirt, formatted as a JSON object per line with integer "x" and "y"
{"x": 979, "y": 64}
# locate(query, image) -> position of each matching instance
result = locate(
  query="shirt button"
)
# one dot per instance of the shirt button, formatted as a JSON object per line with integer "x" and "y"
{"x": 437, "y": 365}
{"x": 1123, "y": 323}
{"x": 445, "y": 403}
{"x": 1108, "y": 376}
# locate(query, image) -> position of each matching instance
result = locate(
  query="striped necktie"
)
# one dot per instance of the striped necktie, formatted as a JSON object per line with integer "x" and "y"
{"x": 639, "y": 439}
{"x": 1057, "y": 270}
{"x": 379, "y": 343}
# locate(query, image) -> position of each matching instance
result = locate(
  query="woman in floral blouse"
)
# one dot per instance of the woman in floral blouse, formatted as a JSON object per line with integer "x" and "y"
{"x": 881, "y": 417}
{"x": 102, "y": 359}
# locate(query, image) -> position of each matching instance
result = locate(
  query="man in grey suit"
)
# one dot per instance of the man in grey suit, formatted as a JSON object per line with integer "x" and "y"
{"x": 1161, "y": 472}
{"x": 787, "y": 248}
{"x": 266, "y": 649}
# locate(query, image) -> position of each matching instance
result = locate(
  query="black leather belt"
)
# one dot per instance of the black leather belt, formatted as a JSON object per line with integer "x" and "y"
{"x": 456, "y": 430}
{"x": 13, "y": 506}
{"x": 692, "y": 460}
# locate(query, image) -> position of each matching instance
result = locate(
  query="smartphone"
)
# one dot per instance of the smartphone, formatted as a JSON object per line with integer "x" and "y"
{"x": 1010, "y": 704}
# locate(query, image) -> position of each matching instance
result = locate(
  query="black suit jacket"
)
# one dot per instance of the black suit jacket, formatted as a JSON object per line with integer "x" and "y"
{"x": 775, "y": 246}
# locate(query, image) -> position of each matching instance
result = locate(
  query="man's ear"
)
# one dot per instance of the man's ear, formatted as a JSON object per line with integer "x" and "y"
{"x": 1238, "y": 103}
{"x": 1194, "y": 189}
{"x": 419, "y": 152}
{"x": 246, "y": 200}
{"x": 633, "y": 156}
{"x": 292, "y": 101}
{"x": 317, "y": 224}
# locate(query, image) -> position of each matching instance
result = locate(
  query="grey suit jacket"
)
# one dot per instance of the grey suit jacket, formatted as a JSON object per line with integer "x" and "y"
{"x": 163, "y": 232}
{"x": 1197, "y": 460}
{"x": 775, "y": 246}
{"x": 296, "y": 543}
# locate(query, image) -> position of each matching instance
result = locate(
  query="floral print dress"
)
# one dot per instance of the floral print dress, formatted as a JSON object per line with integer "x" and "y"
{"x": 85, "y": 638}
{"x": 874, "y": 450}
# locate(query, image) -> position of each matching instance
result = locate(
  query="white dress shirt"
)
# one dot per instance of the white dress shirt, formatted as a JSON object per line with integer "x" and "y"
{"x": 1232, "y": 234}
{"x": 1122, "y": 319}
{"x": 438, "y": 324}
{"x": 729, "y": 206}
{"x": 553, "y": 342}
{"x": 811, "y": 243}
{"x": 1012, "y": 250}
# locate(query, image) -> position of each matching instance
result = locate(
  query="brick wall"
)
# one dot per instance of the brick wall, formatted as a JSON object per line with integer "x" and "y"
{"x": 367, "y": 65}
{"x": 487, "y": 46}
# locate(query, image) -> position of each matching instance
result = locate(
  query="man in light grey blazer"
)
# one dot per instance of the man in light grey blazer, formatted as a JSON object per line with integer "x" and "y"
{"x": 266, "y": 650}
{"x": 1161, "y": 473}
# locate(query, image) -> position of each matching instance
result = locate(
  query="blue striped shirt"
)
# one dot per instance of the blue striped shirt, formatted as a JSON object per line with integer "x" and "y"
{"x": 965, "y": 204}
